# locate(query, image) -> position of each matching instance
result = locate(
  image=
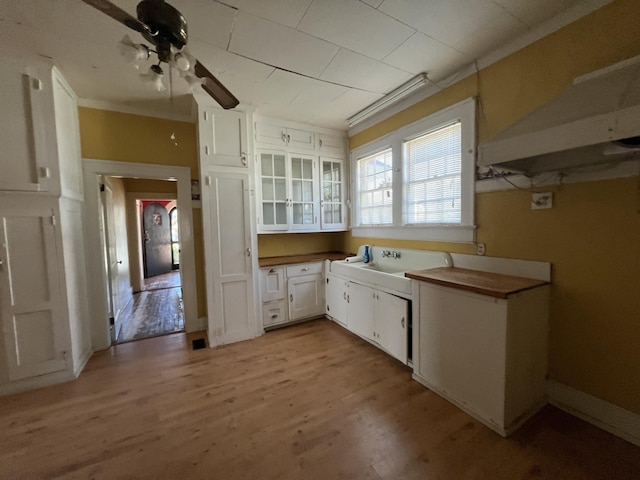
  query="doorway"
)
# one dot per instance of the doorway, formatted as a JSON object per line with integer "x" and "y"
{"x": 94, "y": 170}
{"x": 156, "y": 307}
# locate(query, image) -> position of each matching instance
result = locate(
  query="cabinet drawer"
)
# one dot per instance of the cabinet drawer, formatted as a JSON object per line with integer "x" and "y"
{"x": 304, "y": 269}
{"x": 274, "y": 313}
{"x": 272, "y": 284}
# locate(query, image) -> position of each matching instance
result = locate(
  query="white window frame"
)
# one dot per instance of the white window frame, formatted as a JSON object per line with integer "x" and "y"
{"x": 465, "y": 112}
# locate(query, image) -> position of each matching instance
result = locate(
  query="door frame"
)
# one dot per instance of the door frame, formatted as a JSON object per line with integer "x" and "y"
{"x": 95, "y": 242}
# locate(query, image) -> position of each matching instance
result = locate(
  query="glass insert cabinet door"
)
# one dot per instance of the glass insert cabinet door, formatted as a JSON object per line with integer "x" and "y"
{"x": 274, "y": 190}
{"x": 303, "y": 195}
{"x": 332, "y": 188}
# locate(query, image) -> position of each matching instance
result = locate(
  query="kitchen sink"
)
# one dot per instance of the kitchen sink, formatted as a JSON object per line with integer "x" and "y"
{"x": 387, "y": 271}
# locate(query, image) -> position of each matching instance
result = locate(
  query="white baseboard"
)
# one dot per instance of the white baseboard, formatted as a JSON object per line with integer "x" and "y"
{"x": 82, "y": 361}
{"x": 37, "y": 382}
{"x": 602, "y": 414}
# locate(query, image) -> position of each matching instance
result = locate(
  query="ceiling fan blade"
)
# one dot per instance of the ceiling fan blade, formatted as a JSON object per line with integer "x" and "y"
{"x": 214, "y": 88}
{"x": 115, "y": 12}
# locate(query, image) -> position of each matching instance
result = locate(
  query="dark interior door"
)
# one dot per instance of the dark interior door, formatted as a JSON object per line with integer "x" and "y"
{"x": 157, "y": 235}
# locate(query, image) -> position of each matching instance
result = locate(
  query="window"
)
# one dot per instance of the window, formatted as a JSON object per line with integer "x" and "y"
{"x": 417, "y": 183}
{"x": 432, "y": 177}
{"x": 175, "y": 244}
{"x": 375, "y": 190}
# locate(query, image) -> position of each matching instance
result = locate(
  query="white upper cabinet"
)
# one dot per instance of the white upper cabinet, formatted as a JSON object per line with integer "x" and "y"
{"x": 300, "y": 188}
{"x": 223, "y": 137}
{"x": 25, "y": 95}
{"x": 288, "y": 192}
{"x": 268, "y": 133}
{"x": 332, "y": 145}
{"x": 332, "y": 189}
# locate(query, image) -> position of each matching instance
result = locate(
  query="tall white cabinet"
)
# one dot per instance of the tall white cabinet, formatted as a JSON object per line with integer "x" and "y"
{"x": 228, "y": 225}
{"x": 43, "y": 307}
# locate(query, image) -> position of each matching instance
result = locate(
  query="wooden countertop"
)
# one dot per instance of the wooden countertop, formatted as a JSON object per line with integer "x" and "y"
{"x": 485, "y": 283}
{"x": 310, "y": 257}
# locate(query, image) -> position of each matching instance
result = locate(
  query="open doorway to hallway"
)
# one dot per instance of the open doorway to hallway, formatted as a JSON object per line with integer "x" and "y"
{"x": 143, "y": 258}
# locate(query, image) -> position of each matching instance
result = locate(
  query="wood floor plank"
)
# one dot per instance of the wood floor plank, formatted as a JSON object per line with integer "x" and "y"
{"x": 310, "y": 401}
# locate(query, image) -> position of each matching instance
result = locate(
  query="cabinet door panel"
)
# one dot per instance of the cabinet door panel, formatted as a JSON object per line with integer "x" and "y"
{"x": 223, "y": 138}
{"x": 227, "y": 228}
{"x": 336, "y": 294}
{"x": 332, "y": 185}
{"x": 301, "y": 139}
{"x": 391, "y": 324}
{"x": 305, "y": 296}
{"x": 22, "y": 132}
{"x": 270, "y": 134}
{"x": 274, "y": 313}
{"x": 272, "y": 282}
{"x": 30, "y": 296}
{"x": 334, "y": 145}
{"x": 361, "y": 310}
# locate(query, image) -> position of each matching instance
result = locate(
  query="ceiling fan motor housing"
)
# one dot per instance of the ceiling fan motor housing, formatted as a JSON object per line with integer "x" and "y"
{"x": 167, "y": 26}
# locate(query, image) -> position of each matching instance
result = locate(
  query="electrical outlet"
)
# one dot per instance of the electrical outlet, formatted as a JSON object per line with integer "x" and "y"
{"x": 541, "y": 200}
{"x": 480, "y": 248}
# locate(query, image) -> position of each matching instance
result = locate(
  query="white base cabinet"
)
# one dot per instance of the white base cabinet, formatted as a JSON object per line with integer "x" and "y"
{"x": 291, "y": 293}
{"x": 487, "y": 355}
{"x": 377, "y": 316}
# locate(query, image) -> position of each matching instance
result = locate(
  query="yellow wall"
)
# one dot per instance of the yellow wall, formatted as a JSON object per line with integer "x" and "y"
{"x": 275, "y": 245}
{"x": 592, "y": 233}
{"x": 123, "y": 137}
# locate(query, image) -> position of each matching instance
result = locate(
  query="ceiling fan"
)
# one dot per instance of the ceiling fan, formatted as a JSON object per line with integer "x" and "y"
{"x": 166, "y": 28}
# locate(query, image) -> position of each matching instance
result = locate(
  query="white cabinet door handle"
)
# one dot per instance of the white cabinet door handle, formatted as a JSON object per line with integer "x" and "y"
{"x": 291, "y": 297}
{"x": 402, "y": 322}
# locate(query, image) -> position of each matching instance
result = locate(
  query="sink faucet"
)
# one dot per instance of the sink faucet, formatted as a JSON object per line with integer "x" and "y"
{"x": 386, "y": 253}
{"x": 395, "y": 254}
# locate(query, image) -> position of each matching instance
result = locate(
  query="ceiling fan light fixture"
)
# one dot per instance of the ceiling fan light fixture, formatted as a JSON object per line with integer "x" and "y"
{"x": 183, "y": 61}
{"x": 153, "y": 78}
{"x": 193, "y": 81}
{"x": 133, "y": 52}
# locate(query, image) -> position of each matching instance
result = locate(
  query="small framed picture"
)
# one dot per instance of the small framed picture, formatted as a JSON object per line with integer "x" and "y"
{"x": 195, "y": 189}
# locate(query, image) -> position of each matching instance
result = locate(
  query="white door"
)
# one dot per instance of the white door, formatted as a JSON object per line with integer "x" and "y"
{"x": 227, "y": 222}
{"x": 30, "y": 296}
{"x": 391, "y": 324}
{"x": 223, "y": 137}
{"x": 115, "y": 303}
{"x": 360, "y": 305}
{"x": 305, "y": 296}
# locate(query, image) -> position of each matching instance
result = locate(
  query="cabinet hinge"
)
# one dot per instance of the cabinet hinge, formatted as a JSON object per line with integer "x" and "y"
{"x": 53, "y": 220}
{"x": 102, "y": 187}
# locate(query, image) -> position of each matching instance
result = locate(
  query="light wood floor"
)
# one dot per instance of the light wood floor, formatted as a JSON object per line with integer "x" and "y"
{"x": 306, "y": 402}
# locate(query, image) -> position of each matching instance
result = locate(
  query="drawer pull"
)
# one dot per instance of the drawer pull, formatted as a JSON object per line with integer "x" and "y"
{"x": 305, "y": 269}
{"x": 273, "y": 270}
{"x": 291, "y": 297}
{"x": 275, "y": 315}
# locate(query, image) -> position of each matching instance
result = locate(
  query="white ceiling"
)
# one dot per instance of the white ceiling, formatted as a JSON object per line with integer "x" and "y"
{"x": 312, "y": 61}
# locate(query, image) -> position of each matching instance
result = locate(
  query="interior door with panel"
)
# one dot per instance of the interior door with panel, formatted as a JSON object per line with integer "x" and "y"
{"x": 227, "y": 219}
{"x": 30, "y": 294}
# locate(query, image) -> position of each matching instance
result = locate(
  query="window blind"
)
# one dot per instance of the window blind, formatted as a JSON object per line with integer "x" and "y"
{"x": 374, "y": 189}
{"x": 433, "y": 177}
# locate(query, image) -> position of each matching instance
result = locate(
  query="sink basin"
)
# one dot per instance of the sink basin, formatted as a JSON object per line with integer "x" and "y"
{"x": 388, "y": 272}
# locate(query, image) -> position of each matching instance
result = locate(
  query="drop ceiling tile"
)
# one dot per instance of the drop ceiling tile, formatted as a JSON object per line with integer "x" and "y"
{"x": 281, "y": 46}
{"x": 424, "y": 54}
{"x": 355, "y": 70}
{"x": 284, "y": 12}
{"x": 535, "y": 13}
{"x": 453, "y": 22}
{"x": 335, "y": 113}
{"x": 208, "y": 21}
{"x": 373, "y": 3}
{"x": 356, "y": 26}
{"x": 218, "y": 60}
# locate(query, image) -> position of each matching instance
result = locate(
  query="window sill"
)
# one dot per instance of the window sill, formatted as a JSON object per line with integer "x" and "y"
{"x": 435, "y": 233}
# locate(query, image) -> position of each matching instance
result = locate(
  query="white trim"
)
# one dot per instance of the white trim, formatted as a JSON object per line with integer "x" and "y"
{"x": 37, "y": 382}
{"x": 82, "y": 361}
{"x": 629, "y": 168}
{"x": 463, "y": 111}
{"x": 602, "y": 414}
{"x": 554, "y": 24}
{"x": 92, "y": 169}
{"x": 111, "y": 106}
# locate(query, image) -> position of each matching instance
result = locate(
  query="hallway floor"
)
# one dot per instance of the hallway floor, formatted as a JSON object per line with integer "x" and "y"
{"x": 155, "y": 311}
